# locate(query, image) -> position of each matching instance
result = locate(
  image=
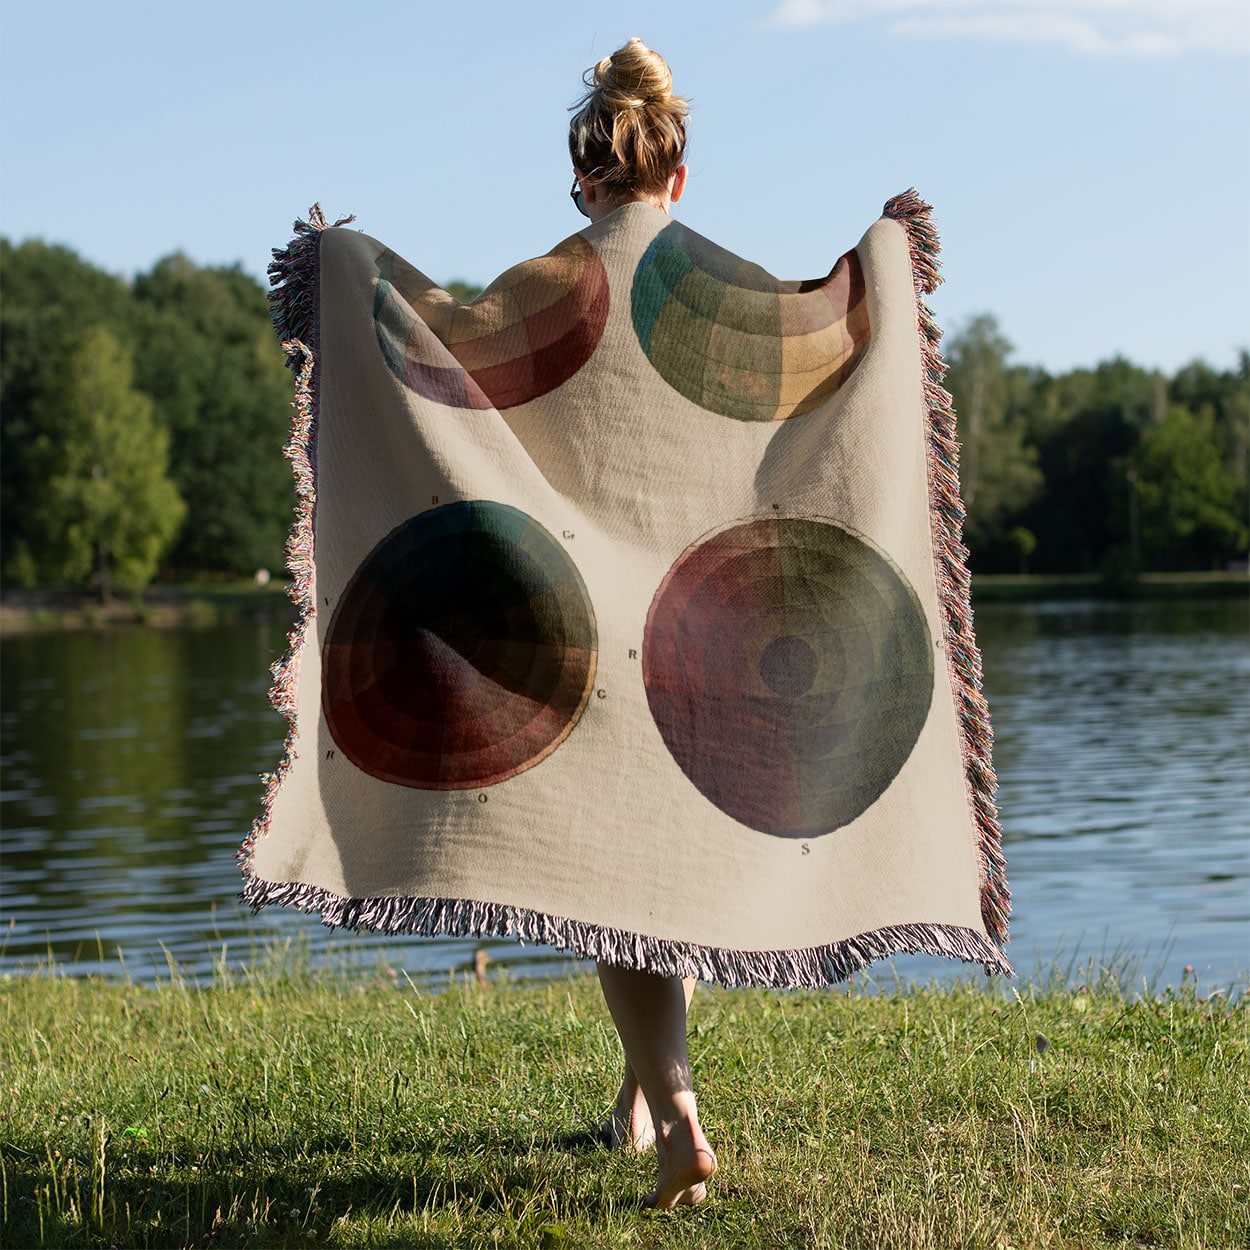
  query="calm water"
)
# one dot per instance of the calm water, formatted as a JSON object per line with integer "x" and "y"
{"x": 131, "y": 758}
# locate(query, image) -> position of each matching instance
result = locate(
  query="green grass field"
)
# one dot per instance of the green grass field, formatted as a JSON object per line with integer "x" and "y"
{"x": 281, "y": 1108}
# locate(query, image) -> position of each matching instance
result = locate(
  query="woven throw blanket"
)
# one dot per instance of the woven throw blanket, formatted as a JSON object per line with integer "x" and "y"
{"x": 634, "y": 616}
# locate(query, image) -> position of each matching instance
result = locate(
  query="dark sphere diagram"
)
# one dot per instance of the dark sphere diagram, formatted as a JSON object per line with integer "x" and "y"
{"x": 789, "y": 669}
{"x": 462, "y": 651}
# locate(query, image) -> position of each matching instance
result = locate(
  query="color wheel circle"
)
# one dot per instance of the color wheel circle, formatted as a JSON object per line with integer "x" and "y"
{"x": 461, "y": 652}
{"x": 530, "y": 331}
{"x": 789, "y": 669}
{"x": 733, "y": 339}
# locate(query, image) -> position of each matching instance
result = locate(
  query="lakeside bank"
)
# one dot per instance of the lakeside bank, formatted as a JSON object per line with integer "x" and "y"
{"x": 202, "y": 604}
{"x": 171, "y": 606}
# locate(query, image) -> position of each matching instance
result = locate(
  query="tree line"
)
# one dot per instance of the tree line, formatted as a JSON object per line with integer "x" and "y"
{"x": 142, "y": 424}
{"x": 1114, "y": 470}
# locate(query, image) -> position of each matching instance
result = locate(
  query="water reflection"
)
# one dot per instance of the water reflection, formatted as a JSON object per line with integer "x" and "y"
{"x": 131, "y": 758}
{"x": 1122, "y": 734}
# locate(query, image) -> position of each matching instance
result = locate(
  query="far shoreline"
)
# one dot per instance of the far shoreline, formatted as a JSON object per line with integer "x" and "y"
{"x": 210, "y": 604}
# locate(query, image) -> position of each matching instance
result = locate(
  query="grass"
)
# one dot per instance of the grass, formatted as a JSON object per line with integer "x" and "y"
{"x": 285, "y": 1108}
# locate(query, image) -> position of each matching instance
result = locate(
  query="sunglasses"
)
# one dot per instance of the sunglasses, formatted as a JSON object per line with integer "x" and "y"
{"x": 576, "y": 196}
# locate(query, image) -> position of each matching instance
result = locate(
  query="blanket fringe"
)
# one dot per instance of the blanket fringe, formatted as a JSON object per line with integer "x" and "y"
{"x": 807, "y": 968}
{"x": 963, "y": 658}
{"x": 293, "y": 302}
{"x": 293, "y": 298}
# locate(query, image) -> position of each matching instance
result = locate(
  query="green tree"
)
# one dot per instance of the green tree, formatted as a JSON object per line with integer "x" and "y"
{"x": 465, "y": 292}
{"x": 106, "y": 510}
{"x": 1024, "y": 543}
{"x": 1187, "y": 494}
{"x": 1087, "y": 424}
{"x": 1223, "y": 399}
{"x": 51, "y": 297}
{"x": 208, "y": 358}
{"x": 997, "y": 466}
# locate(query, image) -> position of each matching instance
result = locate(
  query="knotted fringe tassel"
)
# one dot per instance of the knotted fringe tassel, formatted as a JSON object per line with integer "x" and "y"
{"x": 809, "y": 968}
{"x": 293, "y": 303}
{"x": 946, "y": 508}
{"x": 293, "y": 300}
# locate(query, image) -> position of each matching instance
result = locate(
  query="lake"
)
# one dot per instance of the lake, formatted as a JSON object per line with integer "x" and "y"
{"x": 131, "y": 760}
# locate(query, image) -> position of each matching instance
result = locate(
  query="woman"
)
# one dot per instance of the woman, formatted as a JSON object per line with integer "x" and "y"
{"x": 628, "y": 140}
{"x": 635, "y": 610}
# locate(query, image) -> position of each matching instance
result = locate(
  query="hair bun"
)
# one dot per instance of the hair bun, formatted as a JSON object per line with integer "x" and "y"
{"x": 633, "y": 76}
{"x": 629, "y": 129}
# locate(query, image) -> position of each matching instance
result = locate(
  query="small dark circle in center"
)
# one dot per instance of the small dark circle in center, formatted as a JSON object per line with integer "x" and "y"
{"x": 788, "y": 666}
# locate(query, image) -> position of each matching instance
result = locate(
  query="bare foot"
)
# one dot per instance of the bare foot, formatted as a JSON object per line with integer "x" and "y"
{"x": 629, "y": 1126}
{"x": 686, "y": 1165}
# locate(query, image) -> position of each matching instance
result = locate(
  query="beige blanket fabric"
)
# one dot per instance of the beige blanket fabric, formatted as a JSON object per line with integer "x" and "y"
{"x": 634, "y": 615}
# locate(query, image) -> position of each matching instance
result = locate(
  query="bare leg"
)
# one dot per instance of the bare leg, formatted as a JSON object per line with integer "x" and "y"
{"x": 629, "y": 1127}
{"x": 650, "y": 1015}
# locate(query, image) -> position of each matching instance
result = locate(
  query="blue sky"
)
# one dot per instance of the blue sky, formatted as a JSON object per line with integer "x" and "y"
{"x": 1088, "y": 159}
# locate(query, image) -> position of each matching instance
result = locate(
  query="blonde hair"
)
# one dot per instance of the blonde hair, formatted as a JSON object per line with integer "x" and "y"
{"x": 629, "y": 131}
